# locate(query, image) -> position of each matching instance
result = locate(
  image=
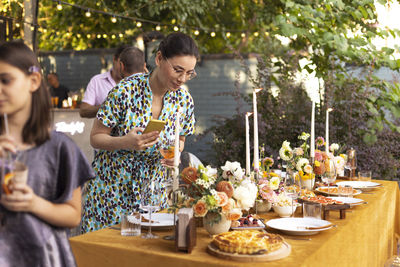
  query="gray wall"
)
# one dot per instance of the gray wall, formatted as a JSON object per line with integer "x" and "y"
{"x": 216, "y": 74}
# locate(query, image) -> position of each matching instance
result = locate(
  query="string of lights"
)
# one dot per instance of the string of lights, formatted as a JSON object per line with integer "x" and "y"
{"x": 158, "y": 25}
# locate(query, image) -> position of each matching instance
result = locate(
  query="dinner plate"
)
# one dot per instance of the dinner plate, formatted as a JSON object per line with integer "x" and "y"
{"x": 160, "y": 220}
{"x": 261, "y": 226}
{"x": 297, "y": 226}
{"x": 349, "y": 200}
{"x": 363, "y": 185}
{"x": 319, "y": 189}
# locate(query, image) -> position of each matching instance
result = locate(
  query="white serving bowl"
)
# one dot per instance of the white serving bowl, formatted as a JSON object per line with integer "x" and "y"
{"x": 285, "y": 211}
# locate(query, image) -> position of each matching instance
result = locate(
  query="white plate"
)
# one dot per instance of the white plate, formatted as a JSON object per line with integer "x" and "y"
{"x": 349, "y": 200}
{"x": 363, "y": 185}
{"x": 335, "y": 194}
{"x": 296, "y": 226}
{"x": 261, "y": 226}
{"x": 159, "y": 220}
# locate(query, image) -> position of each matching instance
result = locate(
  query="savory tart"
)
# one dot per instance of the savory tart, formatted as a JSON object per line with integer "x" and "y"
{"x": 247, "y": 242}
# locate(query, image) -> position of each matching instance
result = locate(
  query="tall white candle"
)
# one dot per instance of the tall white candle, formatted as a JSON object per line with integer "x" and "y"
{"x": 327, "y": 130}
{"x": 256, "y": 160}
{"x": 312, "y": 139}
{"x": 175, "y": 184}
{"x": 248, "y": 114}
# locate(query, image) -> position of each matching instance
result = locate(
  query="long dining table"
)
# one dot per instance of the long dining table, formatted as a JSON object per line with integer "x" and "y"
{"x": 368, "y": 236}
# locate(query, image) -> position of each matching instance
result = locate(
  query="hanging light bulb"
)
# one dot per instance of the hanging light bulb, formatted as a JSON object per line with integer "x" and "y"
{"x": 88, "y": 14}
{"x": 158, "y": 28}
{"x": 121, "y": 35}
{"x": 98, "y": 36}
{"x": 59, "y": 6}
{"x": 88, "y": 36}
{"x": 32, "y": 28}
{"x": 78, "y": 35}
{"x": 243, "y": 35}
{"x": 196, "y": 32}
{"x": 256, "y": 34}
{"x": 113, "y": 36}
{"x": 44, "y": 30}
{"x": 113, "y": 19}
{"x": 176, "y": 28}
{"x": 228, "y": 34}
{"x": 105, "y": 36}
{"x": 138, "y": 24}
{"x": 212, "y": 34}
{"x": 17, "y": 25}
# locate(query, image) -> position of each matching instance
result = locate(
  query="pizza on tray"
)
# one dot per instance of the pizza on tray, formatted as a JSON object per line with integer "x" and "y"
{"x": 247, "y": 242}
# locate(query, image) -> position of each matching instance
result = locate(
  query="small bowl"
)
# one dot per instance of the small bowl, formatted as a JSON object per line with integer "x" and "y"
{"x": 285, "y": 211}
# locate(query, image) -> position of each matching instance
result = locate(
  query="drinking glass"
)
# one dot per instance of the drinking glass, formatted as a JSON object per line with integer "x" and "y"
{"x": 329, "y": 176}
{"x": 312, "y": 210}
{"x": 150, "y": 202}
{"x": 13, "y": 170}
{"x": 131, "y": 223}
{"x": 345, "y": 191}
{"x": 364, "y": 175}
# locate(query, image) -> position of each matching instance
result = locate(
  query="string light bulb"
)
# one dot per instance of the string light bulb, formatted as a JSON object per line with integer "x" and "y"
{"x": 98, "y": 36}
{"x": 228, "y": 34}
{"x": 176, "y": 28}
{"x": 59, "y": 6}
{"x": 243, "y": 35}
{"x": 138, "y": 24}
{"x": 113, "y": 19}
{"x": 113, "y": 36}
{"x": 256, "y": 34}
{"x": 17, "y": 25}
{"x": 158, "y": 28}
{"x": 121, "y": 35}
{"x": 88, "y": 36}
{"x": 88, "y": 14}
{"x": 212, "y": 34}
{"x": 196, "y": 32}
{"x": 105, "y": 36}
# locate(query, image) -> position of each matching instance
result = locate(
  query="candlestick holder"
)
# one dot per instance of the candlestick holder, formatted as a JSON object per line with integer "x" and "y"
{"x": 175, "y": 191}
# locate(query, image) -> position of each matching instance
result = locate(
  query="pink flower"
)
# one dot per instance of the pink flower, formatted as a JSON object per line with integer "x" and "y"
{"x": 319, "y": 141}
{"x": 267, "y": 193}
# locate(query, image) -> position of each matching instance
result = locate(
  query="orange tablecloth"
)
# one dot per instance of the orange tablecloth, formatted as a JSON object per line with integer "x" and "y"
{"x": 367, "y": 237}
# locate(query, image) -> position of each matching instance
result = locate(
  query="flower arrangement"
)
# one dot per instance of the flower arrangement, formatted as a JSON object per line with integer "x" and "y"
{"x": 223, "y": 194}
{"x": 297, "y": 158}
{"x": 269, "y": 182}
{"x": 333, "y": 154}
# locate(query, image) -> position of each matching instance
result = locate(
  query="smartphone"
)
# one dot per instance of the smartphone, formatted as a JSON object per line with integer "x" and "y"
{"x": 154, "y": 125}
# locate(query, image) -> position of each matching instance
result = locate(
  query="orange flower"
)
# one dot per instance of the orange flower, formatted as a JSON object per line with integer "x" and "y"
{"x": 234, "y": 215}
{"x": 226, "y": 187}
{"x": 229, "y": 206}
{"x": 200, "y": 208}
{"x": 189, "y": 175}
{"x": 222, "y": 199}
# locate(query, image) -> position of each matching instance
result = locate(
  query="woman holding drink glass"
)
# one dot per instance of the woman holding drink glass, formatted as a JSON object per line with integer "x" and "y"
{"x": 35, "y": 214}
{"x": 129, "y": 160}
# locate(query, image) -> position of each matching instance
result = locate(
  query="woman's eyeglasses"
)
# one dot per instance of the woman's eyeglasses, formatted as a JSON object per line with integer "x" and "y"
{"x": 187, "y": 75}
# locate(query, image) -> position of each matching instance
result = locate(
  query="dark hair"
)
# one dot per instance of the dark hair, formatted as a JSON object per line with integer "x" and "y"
{"x": 53, "y": 73}
{"x": 119, "y": 50}
{"x": 133, "y": 59}
{"x": 178, "y": 44}
{"x": 36, "y": 129}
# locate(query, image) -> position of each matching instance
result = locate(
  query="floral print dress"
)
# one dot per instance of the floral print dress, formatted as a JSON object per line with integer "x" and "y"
{"x": 122, "y": 176}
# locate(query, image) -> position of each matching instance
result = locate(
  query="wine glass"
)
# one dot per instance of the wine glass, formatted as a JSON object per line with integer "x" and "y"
{"x": 329, "y": 176}
{"x": 292, "y": 188}
{"x": 150, "y": 202}
{"x": 351, "y": 163}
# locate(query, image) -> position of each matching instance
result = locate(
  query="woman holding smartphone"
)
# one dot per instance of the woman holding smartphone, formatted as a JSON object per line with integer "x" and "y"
{"x": 128, "y": 159}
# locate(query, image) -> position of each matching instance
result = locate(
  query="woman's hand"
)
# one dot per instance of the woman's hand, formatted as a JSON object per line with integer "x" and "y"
{"x": 141, "y": 141}
{"x": 22, "y": 199}
{"x": 7, "y": 144}
{"x": 169, "y": 163}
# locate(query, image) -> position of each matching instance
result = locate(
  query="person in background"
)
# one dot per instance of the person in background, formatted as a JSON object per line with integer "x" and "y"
{"x": 132, "y": 61}
{"x": 35, "y": 216}
{"x": 99, "y": 86}
{"x": 57, "y": 89}
{"x": 129, "y": 162}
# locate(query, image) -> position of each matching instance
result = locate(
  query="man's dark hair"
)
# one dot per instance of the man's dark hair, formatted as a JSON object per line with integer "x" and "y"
{"x": 133, "y": 60}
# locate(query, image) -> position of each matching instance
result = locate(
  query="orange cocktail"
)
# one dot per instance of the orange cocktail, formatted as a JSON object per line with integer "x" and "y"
{"x": 168, "y": 153}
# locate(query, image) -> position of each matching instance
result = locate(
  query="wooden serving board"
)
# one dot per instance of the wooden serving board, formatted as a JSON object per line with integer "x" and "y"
{"x": 283, "y": 252}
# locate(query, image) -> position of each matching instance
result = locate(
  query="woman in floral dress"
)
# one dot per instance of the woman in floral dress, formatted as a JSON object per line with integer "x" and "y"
{"x": 129, "y": 160}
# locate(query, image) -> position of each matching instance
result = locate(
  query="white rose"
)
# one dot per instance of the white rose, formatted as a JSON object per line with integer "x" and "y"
{"x": 301, "y": 163}
{"x": 333, "y": 147}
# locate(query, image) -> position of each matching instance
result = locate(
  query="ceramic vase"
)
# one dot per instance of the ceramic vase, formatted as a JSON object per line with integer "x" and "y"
{"x": 213, "y": 227}
{"x": 263, "y": 206}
